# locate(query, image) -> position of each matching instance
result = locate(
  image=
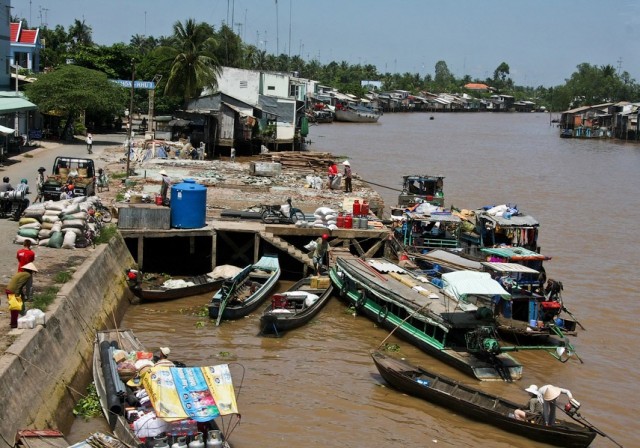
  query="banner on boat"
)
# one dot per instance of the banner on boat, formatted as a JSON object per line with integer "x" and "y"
{"x": 198, "y": 393}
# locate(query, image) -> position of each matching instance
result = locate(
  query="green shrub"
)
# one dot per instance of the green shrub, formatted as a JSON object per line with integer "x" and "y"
{"x": 107, "y": 233}
{"x": 89, "y": 405}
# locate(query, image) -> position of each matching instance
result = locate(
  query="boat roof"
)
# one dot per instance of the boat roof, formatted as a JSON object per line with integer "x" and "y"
{"x": 519, "y": 220}
{"x": 433, "y": 217}
{"x": 509, "y": 267}
{"x": 514, "y": 253}
{"x": 449, "y": 257}
{"x": 460, "y": 284}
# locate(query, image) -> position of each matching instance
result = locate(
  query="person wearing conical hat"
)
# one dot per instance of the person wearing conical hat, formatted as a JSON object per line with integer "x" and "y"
{"x": 550, "y": 394}
{"x": 533, "y": 407}
{"x": 347, "y": 177}
{"x": 164, "y": 188}
{"x": 16, "y": 287}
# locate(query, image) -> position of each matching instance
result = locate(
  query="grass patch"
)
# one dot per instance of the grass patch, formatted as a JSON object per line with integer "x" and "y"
{"x": 121, "y": 175}
{"x": 120, "y": 197}
{"x": 106, "y": 234}
{"x": 42, "y": 300}
{"x": 62, "y": 276}
{"x": 89, "y": 405}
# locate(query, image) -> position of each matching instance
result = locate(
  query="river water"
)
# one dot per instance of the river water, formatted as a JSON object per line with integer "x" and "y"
{"x": 317, "y": 386}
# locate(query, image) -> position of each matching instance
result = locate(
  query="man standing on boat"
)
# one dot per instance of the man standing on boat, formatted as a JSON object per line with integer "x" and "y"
{"x": 549, "y": 395}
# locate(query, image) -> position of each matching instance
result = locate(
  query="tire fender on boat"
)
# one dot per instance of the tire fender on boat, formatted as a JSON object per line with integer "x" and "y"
{"x": 361, "y": 301}
{"x": 382, "y": 314}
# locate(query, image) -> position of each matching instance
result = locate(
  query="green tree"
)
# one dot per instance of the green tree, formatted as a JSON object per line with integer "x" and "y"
{"x": 192, "y": 60}
{"x": 80, "y": 34}
{"x": 443, "y": 78}
{"x": 56, "y": 43}
{"x": 501, "y": 79}
{"x": 71, "y": 89}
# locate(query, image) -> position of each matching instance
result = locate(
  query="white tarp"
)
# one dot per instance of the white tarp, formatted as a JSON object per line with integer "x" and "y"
{"x": 6, "y": 131}
{"x": 460, "y": 284}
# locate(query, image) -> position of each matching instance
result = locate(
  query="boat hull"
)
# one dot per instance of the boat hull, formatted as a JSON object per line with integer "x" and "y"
{"x": 203, "y": 285}
{"x": 251, "y": 287}
{"x": 279, "y": 319}
{"x": 351, "y": 116}
{"x": 476, "y": 404}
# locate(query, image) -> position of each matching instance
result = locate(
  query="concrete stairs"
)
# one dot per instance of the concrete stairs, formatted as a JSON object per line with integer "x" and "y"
{"x": 281, "y": 244}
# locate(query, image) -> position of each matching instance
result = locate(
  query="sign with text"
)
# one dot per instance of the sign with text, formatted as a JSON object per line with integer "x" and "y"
{"x": 149, "y": 85}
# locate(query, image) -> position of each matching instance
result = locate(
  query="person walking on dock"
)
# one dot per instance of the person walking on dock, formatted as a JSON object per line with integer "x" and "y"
{"x": 164, "y": 188}
{"x": 347, "y": 177}
{"x": 39, "y": 185}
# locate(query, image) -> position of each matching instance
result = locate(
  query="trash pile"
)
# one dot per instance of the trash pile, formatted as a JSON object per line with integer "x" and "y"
{"x": 57, "y": 224}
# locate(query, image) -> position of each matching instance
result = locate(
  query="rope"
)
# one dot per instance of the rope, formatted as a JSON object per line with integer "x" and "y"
{"x": 379, "y": 185}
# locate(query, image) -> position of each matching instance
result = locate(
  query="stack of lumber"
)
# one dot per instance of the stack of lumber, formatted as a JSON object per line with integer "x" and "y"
{"x": 302, "y": 161}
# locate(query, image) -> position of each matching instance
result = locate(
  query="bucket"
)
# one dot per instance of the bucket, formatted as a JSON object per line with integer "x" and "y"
{"x": 158, "y": 199}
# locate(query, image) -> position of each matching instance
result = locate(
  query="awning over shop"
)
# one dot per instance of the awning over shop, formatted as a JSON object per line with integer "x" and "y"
{"x": 11, "y": 103}
{"x": 6, "y": 131}
{"x": 179, "y": 122}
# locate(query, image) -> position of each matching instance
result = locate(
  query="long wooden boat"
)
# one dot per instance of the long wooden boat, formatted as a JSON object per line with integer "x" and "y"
{"x": 420, "y": 313}
{"x": 149, "y": 292}
{"x": 111, "y": 388}
{"x": 245, "y": 292}
{"x": 357, "y": 114}
{"x": 297, "y": 306}
{"x": 477, "y": 404}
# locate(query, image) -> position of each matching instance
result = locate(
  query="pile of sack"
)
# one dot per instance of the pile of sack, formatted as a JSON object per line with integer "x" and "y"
{"x": 58, "y": 224}
{"x": 325, "y": 217}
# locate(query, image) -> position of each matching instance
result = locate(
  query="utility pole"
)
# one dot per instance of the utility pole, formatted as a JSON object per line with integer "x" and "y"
{"x": 277, "y": 32}
{"x": 130, "y": 131}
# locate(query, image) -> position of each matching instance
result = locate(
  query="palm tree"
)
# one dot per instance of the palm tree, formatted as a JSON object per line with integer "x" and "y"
{"x": 193, "y": 65}
{"x": 80, "y": 33}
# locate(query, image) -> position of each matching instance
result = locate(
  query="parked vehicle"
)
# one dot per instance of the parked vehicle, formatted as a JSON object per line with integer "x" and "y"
{"x": 67, "y": 170}
{"x": 281, "y": 214}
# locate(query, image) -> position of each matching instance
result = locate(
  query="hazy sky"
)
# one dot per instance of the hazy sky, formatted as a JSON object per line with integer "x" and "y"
{"x": 542, "y": 40}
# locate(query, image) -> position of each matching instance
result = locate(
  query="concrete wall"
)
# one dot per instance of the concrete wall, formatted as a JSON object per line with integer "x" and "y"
{"x": 46, "y": 370}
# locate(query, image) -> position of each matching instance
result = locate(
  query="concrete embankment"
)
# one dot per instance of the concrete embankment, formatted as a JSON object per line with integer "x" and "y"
{"x": 45, "y": 371}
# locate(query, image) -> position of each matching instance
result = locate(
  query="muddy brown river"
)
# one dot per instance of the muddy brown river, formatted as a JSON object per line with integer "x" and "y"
{"x": 317, "y": 386}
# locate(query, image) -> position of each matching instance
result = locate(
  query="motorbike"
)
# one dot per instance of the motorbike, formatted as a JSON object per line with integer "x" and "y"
{"x": 281, "y": 214}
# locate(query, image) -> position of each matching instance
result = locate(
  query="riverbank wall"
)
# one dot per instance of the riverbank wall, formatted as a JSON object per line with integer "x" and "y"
{"x": 46, "y": 370}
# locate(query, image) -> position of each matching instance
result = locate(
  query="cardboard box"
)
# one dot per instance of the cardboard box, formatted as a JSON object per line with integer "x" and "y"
{"x": 318, "y": 282}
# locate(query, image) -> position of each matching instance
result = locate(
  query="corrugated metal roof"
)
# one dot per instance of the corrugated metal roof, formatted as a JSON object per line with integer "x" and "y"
{"x": 509, "y": 267}
{"x": 10, "y": 104}
{"x": 520, "y": 220}
{"x": 384, "y": 266}
{"x": 514, "y": 253}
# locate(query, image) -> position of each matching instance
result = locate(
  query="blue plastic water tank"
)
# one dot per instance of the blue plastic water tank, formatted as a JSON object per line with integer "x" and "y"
{"x": 188, "y": 205}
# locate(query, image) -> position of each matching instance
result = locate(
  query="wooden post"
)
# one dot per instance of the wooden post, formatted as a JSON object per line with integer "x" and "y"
{"x": 140, "y": 252}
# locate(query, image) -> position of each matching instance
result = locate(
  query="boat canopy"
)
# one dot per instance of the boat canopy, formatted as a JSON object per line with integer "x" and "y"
{"x": 460, "y": 284}
{"x": 520, "y": 220}
{"x": 509, "y": 267}
{"x": 514, "y": 253}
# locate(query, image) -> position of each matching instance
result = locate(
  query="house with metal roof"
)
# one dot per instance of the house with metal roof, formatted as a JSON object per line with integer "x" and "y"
{"x": 25, "y": 47}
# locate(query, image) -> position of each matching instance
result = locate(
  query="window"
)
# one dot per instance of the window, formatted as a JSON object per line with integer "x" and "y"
{"x": 243, "y": 84}
{"x": 271, "y": 87}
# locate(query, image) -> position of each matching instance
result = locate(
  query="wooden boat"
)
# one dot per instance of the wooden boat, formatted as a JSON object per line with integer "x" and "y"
{"x": 111, "y": 389}
{"x": 420, "y": 313}
{"x": 191, "y": 286}
{"x": 245, "y": 292}
{"x": 477, "y": 404}
{"x": 356, "y": 114}
{"x": 294, "y": 307}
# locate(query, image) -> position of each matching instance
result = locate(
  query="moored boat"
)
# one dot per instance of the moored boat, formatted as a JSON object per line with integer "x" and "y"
{"x": 478, "y": 405}
{"x": 297, "y": 306}
{"x": 420, "y": 313}
{"x": 356, "y": 114}
{"x": 246, "y": 291}
{"x": 171, "y": 289}
{"x": 171, "y": 415}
